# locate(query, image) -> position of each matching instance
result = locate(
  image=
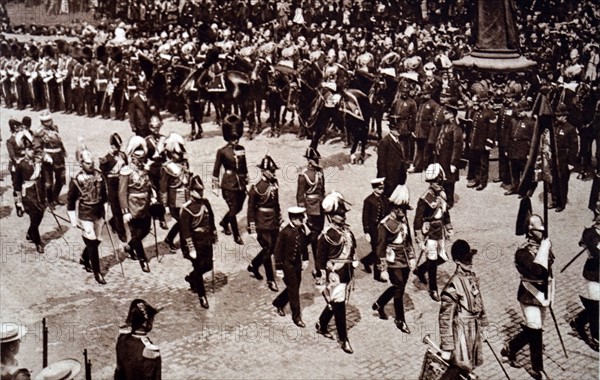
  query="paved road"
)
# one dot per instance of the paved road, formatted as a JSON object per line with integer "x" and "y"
{"x": 241, "y": 336}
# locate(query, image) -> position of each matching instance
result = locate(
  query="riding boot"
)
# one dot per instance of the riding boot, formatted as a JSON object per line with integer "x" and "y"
{"x": 432, "y": 274}
{"x": 325, "y": 317}
{"x": 591, "y": 308}
{"x": 536, "y": 350}
{"x": 519, "y": 341}
{"x": 339, "y": 311}
{"x": 235, "y": 231}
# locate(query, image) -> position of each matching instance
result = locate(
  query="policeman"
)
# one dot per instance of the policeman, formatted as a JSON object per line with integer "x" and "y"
{"x": 462, "y": 316}
{"x": 235, "y": 177}
{"x": 402, "y": 119}
{"x": 310, "y": 193}
{"x": 264, "y": 218}
{"x": 534, "y": 262}
{"x": 396, "y": 256}
{"x": 111, "y": 165}
{"x": 29, "y": 189}
{"x": 480, "y": 144}
{"x": 428, "y": 115}
{"x": 334, "y": 268}
{"x": 49, "y": 145}
{"x": 567, "y": 147}
{"x": 375, "y": 208}
{"x": 135, "y": 193}
{"x": 174, "y": 182}
{"x": 291, "y": 258}
{"x": 519, "y": 135}
{"x": 449, "y": 148}
{"x": 432, "y": 226}
{"x": 198, "y": 234}
{"x": 88, "y": 189}
{"x": 137, "y": 357}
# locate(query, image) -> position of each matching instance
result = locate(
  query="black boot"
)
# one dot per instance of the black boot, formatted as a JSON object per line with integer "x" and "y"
{"x": 204, "y": 302}
{"x": 324, "y": 319}
{"x": 432, "y": 274}
{"x": 536, "y": 349}
{"x": 99, "y": 278}
{"x": 591, "y": 308}
{"x": 420, "y": 272}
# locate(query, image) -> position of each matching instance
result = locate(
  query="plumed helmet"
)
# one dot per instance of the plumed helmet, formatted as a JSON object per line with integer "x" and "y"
{"x": 155, "y": 122}
{"x": 434, "y": 172}
{"x": 13, "y": 124}
{"x": 116, "y": 140}
{"x": 400, "y": 196}
{"x": 331, "y": 54}
{"x": 82, "y": 153}
{"x": 335, "y": 204}
{"x": 137, "y": 146}
{"x": 461, "y": 251}
{"x": 23, "y": 139}
{"x": 196, "y": 186}
{"x": 233, "y": 127}
{"x": 140, "y": 312}
{"x": 267, "y": 163}
{"x": 45, "y": 116}
{"x": 174, "y": 143}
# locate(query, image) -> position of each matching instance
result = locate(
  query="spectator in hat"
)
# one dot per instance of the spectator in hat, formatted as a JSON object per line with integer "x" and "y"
{"x": 65, "y": 369}
{"x": 137, "y": 357}
{"x": 10, "y": 342}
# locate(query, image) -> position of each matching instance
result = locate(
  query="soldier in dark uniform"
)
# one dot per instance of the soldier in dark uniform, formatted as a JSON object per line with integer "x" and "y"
{"x": 135, "y": 193}
{"x": 49, "y": 145}
{"x": 15, "y": 153}
{"x": 235, "y": 177}
{"x": 428, "y": 114}
{"x": 519, "y": 135}
{"x": 174, "y": 182}
{"x": 506, "y": 113}
{"x": 137, "y": 357}
{"x": 156, "y": 157}
{"x": 101, "y": 82}
{"x": 29, "y": 189}
{"x": 310, "y": 193}
{"x": 391, "y": 161}
{"x": 375, "y": 208}
{"x": 449, "y": 149}
{"x": 119, "y": 82}
{"x": 198, "y": 234}
{"x": 462, "y": 318}
{"x": 567, "y": 146}
{"x": 87, "y": 83}
{"x": 291, "y": 258}
{"x": 264, "y": 218}
{"x": 534, "y": 262}
{"x": 396, "y": 256}
{"x": 139, "y": 112}
{"x": 480, "y": 144}
{"x": 402, "y": 119}
{"x": 432, "y": 225}
{"x": 111, "y": 165}
{"x": 89, "y": 188}
{"x": 77, "y": 105}
{"x": 590, "y": 239}
{"x": 334, "y": 268}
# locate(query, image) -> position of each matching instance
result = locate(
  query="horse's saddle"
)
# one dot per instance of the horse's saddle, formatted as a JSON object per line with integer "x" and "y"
{"x": 217, "y": 84}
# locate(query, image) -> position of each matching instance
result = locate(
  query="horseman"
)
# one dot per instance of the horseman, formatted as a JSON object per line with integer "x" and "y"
{"x": 333, "y": 76}
{"x": 365, "y": 61}
{"x": 316, "y": 55}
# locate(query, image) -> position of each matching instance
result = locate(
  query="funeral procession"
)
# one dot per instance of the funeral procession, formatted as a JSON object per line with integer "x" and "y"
{"x": 299, "y": 189}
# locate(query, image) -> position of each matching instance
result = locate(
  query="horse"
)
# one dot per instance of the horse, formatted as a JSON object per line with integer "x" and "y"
{"x": 282, "y": 90}
{"x": 352, "y": 113}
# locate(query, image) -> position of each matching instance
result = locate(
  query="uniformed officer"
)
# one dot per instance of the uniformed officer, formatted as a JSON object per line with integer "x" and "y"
{"x": 235, "y": 177}
{"x": 291, "y": 258}
{"x": 534, "y": 261}
{"x": 432, "y": 225}
{"x": 567, "y": 147}
{"x": 174, "y": 182}
{"x": 29, "y": 189}
{"x": 310, "y": 193}
{"x": 15, "y": 153}
{"x": 111, "y": 165}
{"x": 49, "y": 145}
{"x": 462, "y": 317}
{"x": 88, "y": 189}
{"x": 10, "y": 342}
{"x": 334, "y": 268}
{"x": 396, "y": 256}
{"x": 198, "y": 234}
{"x": 156, "y": 157}
{"x": 480, "y": 144}
{"x": 402, "y": 119}
{"x": 375, "y": 208}
{"x": 137, "y": 357}
{"x": 449, "y": 148}
{"x": 429, "y": 115}
{"x": 590, "y": 239}
{"x": 264, "y": 219}
{"x": 135, "y": 193}
{"x": 519, "y": 135}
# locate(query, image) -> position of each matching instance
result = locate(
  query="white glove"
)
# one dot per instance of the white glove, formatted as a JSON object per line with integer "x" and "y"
{"x": 127, "y": 217}
{"x": 355, "y": 263}
{"x": 412, "y": 263}
{"x": 368, "y": 238}
{"x": 446, "y": 355}
{"x": 570, "y": 167}
{"x": 304, "y": 265}
{"x": 193, "y": 253}
{"x": 73, "y": 218}
{"x": 452, "y": 169}
{"x": 48, "y": 159}
{"x": 385, "y": 275}
{"x": 279, "y": 273}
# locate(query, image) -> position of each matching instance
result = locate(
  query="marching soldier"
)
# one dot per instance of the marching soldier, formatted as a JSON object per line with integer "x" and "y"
{"x": 264, "y": 217}
{"x": 449, "y": 149}
{"x": 111, "y": 165}
{"x": 432, "y": 226}
{"x": 480, "y": 144}
{"x": 396, "y": 256}
{"x": 291, "y": 258}
{"x": 137, "y": 357}
{"x": 198, "y": 234}
{"x": 567, "y": 147}
{"x": 402, "y": 119}
{"x": 590, "y": 239}
{"x": 534, "y": 262}
{"x": 135, "y": 193}
{"x": 429, "y": 116}
{"x": 88, "y": 189}
{"x": 310, "y": 193}
{"x": 462, "y": 316}
{"x": 174, "y": 182}
{"x": 156, "y": 157}
{"x": 29, "y": 189}
{"x": 15, "y": 152}
{"x": 235, "y": 177}
{"x": 49, "y": 145}
{"x": 518, "y": 138}
{"x": 334, "y": 268}
{"x": 375, "y": 208}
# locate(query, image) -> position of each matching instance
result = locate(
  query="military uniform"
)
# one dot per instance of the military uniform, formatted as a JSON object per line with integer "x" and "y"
{"x": 402, "y": 118}
{"x": 505, "y": 117}
{"x": 174, "y": 192}
{"x": 87, "y": 83}
{"x": 309, "y": 194}
{"x": 102, "y": 97}
{"x": 111, "y": 166}
{"x": 137, "y": 357}
{"x": 375, "y": 208}
{"x": 567, "y": 147}
{"x": 480, "y": 144}
{"x": 428, "y": 122}
{"x": 520, "y": 133}
{"x": 48, "y": 144}
{"x": 448, "y": 152}
{"x": 77, "y": 104}
{"x": 391, "y": 163}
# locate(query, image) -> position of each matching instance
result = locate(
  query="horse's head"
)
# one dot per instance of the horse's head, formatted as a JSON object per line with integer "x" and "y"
{"x": 310, "y": 73}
